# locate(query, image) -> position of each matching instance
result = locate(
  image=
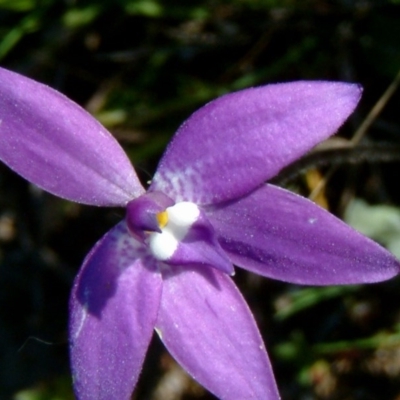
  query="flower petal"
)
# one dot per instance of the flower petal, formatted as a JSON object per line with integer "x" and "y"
{"x": 236, "y": 142}
{"x": 206, "y": 325}
{"x": 278, "y": 234}
{"x": 58, "y": 146}
{"x": 113, "y": 308}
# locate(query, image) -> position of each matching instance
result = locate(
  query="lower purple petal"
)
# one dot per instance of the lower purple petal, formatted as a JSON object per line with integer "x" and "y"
{"x": 113, "y": 308}
{"x": 206, "y": 325}
{"x": 278, "y": 234}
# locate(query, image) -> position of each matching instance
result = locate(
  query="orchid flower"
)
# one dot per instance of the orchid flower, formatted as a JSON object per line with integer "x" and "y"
{"x": 167, "y": 267}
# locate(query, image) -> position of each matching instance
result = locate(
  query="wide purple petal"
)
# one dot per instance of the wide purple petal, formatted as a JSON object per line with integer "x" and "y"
{"x": 206, "y": 325}
{"x": 278, "y": 234}
{"x": 236, "y": 142}
{"x": 113, "y": 308}
{"x": 55, "y": 144}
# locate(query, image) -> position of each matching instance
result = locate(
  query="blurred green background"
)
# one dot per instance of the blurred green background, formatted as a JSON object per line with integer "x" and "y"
{"x": 141, "y": 67}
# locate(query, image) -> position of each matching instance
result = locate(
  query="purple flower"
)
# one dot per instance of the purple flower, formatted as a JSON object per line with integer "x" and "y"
{"x": 167, "y": 265}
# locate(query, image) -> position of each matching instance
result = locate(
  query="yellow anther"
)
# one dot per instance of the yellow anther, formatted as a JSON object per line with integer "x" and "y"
{"x": 162, "y": 219}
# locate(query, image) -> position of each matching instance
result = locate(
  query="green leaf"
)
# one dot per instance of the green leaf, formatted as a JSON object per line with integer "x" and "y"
{"x": 301, "y": 299}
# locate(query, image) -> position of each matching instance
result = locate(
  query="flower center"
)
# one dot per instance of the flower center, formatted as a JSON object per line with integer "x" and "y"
{"x": 175, "y": 222}
{"x": 162, "y": 219}
{"x": 177, "y": 234}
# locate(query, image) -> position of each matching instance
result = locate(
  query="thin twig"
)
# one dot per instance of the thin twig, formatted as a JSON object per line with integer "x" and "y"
{"x": 337, "y": 156}
{"x": 360, "y": 132}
